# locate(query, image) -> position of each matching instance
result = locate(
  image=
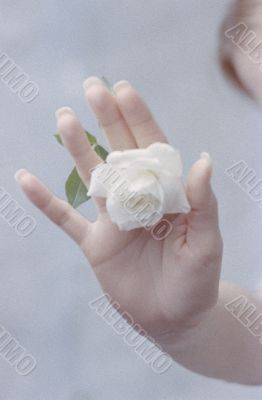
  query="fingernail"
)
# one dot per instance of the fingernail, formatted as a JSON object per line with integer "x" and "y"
{"x": 205, "y": 155}
{"x": 19, "y": 174}
{"x": 121, "y": 84}
{"x": 208, "y": 164}
{"x": 63, "y": 110}
{"x": 92, "y": 80}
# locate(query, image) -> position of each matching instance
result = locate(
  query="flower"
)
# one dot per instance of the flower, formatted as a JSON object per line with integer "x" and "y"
{"x": 140, "y": 185}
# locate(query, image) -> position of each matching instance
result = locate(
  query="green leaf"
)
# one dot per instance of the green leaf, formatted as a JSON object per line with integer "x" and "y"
{"x": 101, "y": 151}
{"x": 91, "y": 138}
{"x": 58, "y": 138}
{"x": 74, "y": 187}
{"x": 108, "y": 84}
{"x": 75, "y": 190}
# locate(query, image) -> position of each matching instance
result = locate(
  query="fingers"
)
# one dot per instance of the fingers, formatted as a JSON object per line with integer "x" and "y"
{"x": 75, "y": 140}
{"x": 105, "y": 107}
{"x": 125, "y": 117}
{"x": 204, "y": 213}
{"x": 137, "y": 115}
{"x": 58, "y": 211}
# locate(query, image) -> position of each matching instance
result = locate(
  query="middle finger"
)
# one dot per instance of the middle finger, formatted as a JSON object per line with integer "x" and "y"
{"x": 104, "y": 106}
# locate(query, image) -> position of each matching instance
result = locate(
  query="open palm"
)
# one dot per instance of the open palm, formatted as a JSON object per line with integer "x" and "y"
{"x": 159, "y": 282}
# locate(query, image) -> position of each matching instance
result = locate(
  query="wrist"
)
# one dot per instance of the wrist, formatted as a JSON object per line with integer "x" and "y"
{"x": 180, "y": 335}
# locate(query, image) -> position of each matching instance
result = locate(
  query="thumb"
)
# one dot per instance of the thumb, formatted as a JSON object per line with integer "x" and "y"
{"x": 204, "y": 212}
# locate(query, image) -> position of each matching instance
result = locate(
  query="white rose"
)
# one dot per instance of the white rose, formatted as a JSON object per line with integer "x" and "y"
{"x": 140, "y": 185}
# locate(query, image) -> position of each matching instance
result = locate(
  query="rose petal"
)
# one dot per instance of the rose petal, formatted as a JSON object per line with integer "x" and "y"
{"x": 168, "y": 157}
{"x": 97, "y": 186}
{"x": 175, "y": 199}
{"x": 121, "y": 159}
{"x": 119, "y": 215}
{"x": 149, "y": 185}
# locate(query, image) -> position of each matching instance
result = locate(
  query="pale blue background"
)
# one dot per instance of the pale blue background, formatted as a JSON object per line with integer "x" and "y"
{"x": 168, "y": 50}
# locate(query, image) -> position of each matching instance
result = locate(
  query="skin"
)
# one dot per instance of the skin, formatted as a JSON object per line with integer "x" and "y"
{"x": 235, "y": 62}
{"x": 170, "y": 287}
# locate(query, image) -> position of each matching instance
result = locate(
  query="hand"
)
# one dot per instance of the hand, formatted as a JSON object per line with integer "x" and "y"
{"x": 164, "y": 285}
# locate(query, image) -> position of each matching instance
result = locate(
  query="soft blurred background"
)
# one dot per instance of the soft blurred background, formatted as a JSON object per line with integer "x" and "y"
{"x": 168, "y": 51}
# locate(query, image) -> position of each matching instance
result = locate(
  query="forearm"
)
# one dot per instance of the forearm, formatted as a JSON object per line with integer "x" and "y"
{"x": 228, "y": 343}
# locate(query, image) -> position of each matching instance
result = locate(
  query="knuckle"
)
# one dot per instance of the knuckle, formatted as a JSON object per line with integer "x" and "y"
{"x": 211, "y": 253}
{"x": 64, "y": 215}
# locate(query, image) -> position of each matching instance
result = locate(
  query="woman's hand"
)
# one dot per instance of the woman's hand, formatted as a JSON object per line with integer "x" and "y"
{"x": 165, "y": 285}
